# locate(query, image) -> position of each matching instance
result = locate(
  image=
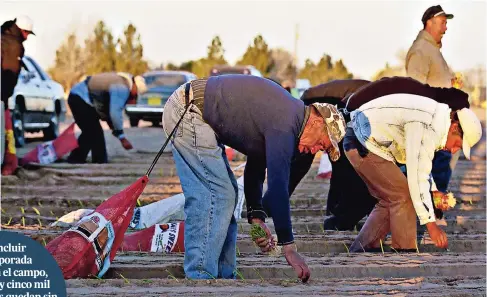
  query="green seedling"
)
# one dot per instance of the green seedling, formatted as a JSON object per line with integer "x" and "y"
{"x": 3, "y": 211}
{"x": 124, "y": 279}
{"x": 23, "y": 221}
{"x": 26, "y": 202}
{"x": 239, "y": 274}
{"x": 22, "y": 210}
{"x": 261, "y": 278}
{"x": 172, "y": 276}
{"x": 205, "y": 272}
{"x": 9, "y": 221}
{"x": 256, "y": 231}
{"x": 80, "y": 203}
{"x": 44, "y": 241}
{"x": 147, "y": 281}
{"x": 40, "y": 223}
{"x": 307, "y": 229}
{"x": 394, "y": 250}
{"x": 322, "y": 228}
{"x": 138, "y": 203}
{"x": 161, "y": 172}
{"x": 470, "y": 201}
{"x": 241, "y": 228}
{"x": 346, "y": 247}
{"x": 69, "y": 203}
{"x": 39, "y": 203}
{"x": 36, "y": 211}
{"x": 381, "y": 246}
{"x": 361, "y": 246}
{"x": 238, "y": 251}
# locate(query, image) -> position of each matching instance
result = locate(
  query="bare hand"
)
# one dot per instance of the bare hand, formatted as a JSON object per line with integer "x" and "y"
{"x": 297, "y": 262}
{"x": 126, "y": 144}
{"x": 437, "y": 235}
{"x": 264, "y": 243}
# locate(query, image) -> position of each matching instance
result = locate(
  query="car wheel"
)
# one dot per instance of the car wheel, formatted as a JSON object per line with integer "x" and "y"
{"x": 18, "y": 126}
{"x": 134, "y": 122}
{"x": 156, "y": 123}
{"x": 52, "y": 132}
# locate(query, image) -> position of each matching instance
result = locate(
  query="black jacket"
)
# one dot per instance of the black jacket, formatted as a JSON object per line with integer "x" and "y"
{"x": 12, "y": 54}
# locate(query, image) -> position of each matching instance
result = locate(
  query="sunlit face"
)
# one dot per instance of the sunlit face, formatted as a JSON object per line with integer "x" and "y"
{"x": 437, "y": 27}
{"x": 454, "y": 140}
{"x": 315, "y": 138}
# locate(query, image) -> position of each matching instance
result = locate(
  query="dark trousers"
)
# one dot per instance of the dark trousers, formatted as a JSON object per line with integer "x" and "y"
{"x": 91, "y": 138}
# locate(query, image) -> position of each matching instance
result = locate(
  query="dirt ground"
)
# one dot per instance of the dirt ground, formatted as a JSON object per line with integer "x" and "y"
{"x": 38, "y": 195}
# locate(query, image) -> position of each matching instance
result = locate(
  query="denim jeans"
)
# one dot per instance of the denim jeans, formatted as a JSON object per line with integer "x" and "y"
{"x": 210, "y": 188}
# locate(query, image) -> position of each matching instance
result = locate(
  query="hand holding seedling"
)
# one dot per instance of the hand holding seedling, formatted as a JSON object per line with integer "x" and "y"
{"x": 262, "y": 236}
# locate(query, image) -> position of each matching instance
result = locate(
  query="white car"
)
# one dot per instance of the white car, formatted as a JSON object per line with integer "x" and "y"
{"x": 37, "y": 104}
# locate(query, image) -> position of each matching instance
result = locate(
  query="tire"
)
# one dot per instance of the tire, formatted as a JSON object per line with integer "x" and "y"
{"x": 18, "y": 126}
{"x": 134, "y": 122}
{"x": 156, "y": 123}
{"x": 52, "y": 132}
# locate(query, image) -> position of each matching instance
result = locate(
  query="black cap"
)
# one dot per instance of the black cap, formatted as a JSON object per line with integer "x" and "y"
{"x": 434, "y": 11}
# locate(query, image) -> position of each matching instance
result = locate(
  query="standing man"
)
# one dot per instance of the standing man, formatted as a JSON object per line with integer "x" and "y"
{"x": 425, "y": 63}
{"x": 262, "y": 120}
{"x": 103, "y": 97}
{"x": 405, "y": 129}
{"x": 14, "y": 33}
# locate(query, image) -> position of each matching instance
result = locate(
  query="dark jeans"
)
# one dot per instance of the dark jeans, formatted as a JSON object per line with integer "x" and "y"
{"x": 441, "y": 170}
{"x": 91, "y": 138}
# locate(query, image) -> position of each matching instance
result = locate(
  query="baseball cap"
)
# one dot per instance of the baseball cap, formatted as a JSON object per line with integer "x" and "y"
{"x": 335, "y": 126}
{"x": 434, "y": 11}
{"x": 25, "y": 23}
{"x": 472, "y": 129}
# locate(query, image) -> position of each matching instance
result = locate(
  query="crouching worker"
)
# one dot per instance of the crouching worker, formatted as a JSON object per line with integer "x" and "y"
{"x": 406, "y": 129}
{"x": 103, "y": 97}
{"x": 260, "y": 119}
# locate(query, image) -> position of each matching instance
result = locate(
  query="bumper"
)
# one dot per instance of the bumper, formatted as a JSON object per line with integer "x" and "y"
{"x": 144, "y": 112}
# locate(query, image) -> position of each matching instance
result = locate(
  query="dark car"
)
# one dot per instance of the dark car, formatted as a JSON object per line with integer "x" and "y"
{"x": 226, "y": 69}
{"x": 160, "y": 85}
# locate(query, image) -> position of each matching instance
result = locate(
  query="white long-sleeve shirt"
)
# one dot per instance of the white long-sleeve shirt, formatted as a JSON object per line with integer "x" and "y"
{"x": 406, "y": 129}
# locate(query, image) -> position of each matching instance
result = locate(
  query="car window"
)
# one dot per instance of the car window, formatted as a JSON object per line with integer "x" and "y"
{"x": 42, "y": 74}
{"x": 164, "y": 80}
{"x": 27, "y": 67}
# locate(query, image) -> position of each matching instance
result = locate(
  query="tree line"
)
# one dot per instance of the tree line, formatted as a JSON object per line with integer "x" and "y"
{"x": 100, "y": 52}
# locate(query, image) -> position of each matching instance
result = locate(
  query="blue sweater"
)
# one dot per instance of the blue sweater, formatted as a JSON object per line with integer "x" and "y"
{"x": 263, "y": 121}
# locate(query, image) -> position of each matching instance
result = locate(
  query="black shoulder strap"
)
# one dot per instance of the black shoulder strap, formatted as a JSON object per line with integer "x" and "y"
{"x": 186, "y": 94}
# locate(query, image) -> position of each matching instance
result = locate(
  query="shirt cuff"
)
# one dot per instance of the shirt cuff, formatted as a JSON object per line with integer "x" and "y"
{"x": 423, "y": 221}
{"x": 118, "y": 133}
{"x": 256, "y": 214}
{"x": 285, "y": 236}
